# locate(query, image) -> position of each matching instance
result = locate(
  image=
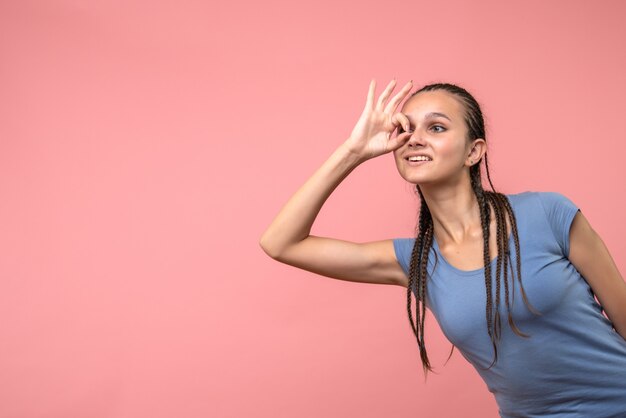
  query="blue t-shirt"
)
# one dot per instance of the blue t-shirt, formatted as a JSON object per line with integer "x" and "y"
{"x": 574, "y": 363}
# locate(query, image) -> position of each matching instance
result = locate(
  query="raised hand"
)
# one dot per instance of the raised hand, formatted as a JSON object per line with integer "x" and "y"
{"x": 372, "y": 134}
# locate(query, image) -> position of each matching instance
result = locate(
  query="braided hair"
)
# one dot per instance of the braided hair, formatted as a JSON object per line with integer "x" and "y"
{"x": 423, "y": 243}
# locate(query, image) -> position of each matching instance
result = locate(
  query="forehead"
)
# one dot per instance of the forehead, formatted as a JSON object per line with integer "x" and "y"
{"x": 436, "y": 101}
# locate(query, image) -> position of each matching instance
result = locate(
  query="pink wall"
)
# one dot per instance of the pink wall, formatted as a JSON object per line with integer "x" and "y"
{"x": 145, "y": 146}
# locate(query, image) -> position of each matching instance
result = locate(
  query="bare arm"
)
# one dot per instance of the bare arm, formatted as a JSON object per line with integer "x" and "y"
{"x": 592, "y": 259}
{"x": 288, "y": 238}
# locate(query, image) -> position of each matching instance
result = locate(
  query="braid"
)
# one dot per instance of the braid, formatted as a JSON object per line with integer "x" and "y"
{"x": 415, "y": 256}
{"x": 502, "y": 208}
{"x": 485, "y": 216}
{"x": 487, "y": 200}
{"x": 428, "y": 241}
{"x": 488, "y": 176}
{"x": 502, "y": 245}
{"x": 514, "y": 232}
{"x": 417, "y": 279}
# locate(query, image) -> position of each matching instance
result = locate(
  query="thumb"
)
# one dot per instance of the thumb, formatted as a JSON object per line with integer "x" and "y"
{"x": 399, "y": 140}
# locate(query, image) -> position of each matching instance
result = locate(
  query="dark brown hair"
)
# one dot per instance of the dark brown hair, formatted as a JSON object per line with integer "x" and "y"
{"x": 423, "y": 243}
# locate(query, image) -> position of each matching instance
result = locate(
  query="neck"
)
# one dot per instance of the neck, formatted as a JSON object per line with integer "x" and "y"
{"x": 455, "y": 212}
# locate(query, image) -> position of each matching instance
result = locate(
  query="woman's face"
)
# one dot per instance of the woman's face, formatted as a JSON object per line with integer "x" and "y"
{"x": 439, "y": 132}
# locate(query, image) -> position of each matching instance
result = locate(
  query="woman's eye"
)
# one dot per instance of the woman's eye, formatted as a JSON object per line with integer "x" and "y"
{"x": 439, "y": 126}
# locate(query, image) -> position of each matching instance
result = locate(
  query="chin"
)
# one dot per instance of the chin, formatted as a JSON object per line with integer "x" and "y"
{"x": 421, "y": 178}
{"x": 413, "y": 179}
{"x": 417, "y": 175}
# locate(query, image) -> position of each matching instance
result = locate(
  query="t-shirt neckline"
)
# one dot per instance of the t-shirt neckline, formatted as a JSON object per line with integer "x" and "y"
{"x": 467, "y": 272}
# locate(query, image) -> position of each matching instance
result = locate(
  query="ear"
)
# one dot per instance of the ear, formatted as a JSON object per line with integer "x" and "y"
{"x": 476, "y": 152}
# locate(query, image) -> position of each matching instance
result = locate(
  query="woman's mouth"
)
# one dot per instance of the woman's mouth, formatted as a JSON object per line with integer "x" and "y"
{"x": 418, "y": 160}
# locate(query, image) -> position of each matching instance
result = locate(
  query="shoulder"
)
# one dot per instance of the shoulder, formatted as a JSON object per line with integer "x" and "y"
{"x": 538, "y": 211}
{"x": 544, "y": 200}
{"x": 548, "y": 212}
{"x": 549, "y": 199}
{"x": 555, "y": 204}
{"x": 524, "y": 201}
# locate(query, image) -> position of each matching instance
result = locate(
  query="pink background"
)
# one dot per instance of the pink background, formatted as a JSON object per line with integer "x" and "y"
{"x": 145, "y": 147}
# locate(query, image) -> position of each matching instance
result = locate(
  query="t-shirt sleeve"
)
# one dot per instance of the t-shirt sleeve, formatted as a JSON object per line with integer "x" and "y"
{"x": 404, "y": 248}
{"x": 560, "y": 212}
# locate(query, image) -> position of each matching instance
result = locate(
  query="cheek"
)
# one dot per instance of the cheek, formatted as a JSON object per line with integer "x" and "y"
{"x": 449, "y": 151}
{"x": 396, "y": 157}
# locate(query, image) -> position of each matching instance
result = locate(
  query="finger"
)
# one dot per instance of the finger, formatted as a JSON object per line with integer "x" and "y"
{"x": 395, "y": 101}
{"x": 369, "y": 103}
{"x": 398, "y": 140}
{"x": 399, "y": 119}
{"x": 385, "y": 94}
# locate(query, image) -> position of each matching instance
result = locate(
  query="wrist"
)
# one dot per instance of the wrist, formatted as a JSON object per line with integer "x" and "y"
{"x": 350, "y": 155}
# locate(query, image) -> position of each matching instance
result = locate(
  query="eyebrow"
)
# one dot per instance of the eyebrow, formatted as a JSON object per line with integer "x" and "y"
{"x": 436, "y": 114}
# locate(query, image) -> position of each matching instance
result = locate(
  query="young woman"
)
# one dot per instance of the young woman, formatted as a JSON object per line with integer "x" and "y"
{"x": 479, "y": 257}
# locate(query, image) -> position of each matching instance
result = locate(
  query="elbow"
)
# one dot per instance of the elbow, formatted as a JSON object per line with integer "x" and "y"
{"x": 268, "y": 248}
{"x": 277, "y": 246}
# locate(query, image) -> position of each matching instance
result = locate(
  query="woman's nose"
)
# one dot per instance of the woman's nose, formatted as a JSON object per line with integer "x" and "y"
{"x": 415, "y": 140}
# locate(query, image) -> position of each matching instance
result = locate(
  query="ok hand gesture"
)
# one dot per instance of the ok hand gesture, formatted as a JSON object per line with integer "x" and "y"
{"x": 371, "y": 135}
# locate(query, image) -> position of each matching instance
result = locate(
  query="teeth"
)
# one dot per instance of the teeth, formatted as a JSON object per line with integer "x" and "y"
{"x": 419, "y": 158}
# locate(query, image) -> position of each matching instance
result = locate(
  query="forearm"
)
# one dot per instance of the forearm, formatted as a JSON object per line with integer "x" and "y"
{"x": 294, "y": 221}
